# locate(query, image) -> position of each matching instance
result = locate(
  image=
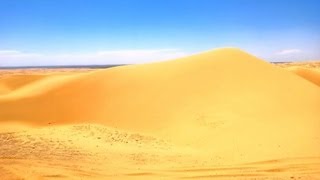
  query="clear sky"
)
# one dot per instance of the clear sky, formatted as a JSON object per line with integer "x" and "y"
{"x": 59, "y": 32}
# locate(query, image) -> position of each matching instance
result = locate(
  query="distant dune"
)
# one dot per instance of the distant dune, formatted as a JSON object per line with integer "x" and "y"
{"x": 15, "y": 82}
{"x": 312, "y": 75}
{"x": 223, "y": 106}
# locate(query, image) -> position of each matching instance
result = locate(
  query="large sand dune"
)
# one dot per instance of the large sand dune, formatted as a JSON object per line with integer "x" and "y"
{"x": 220, "y": 108}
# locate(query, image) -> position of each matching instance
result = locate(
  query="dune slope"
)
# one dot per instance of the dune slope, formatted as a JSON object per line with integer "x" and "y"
{"x": 311, "y": 75}
{"x": 235, "y": 100}
{"x": 16, "y": 81}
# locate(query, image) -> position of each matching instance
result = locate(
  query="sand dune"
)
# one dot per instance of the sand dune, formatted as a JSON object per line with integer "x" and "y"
{"x": 222, "y": 107}
{"x": 16, "y": 79}
{"x": 4, "y": 89}
{"x": 312, "y": 75}
{"x": 14, "y": 82}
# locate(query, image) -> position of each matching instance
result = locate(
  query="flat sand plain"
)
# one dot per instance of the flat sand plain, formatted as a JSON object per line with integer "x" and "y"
{"x": 221, "y": 114}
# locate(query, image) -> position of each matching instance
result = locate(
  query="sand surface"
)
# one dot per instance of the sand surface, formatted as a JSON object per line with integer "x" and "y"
{"x": 308, "y": 70}
{"x": 221, "y": 114}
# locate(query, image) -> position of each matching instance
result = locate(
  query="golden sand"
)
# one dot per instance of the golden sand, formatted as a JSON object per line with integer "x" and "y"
{"x": 218, "y": 114}
{"x": 309, "y": 71}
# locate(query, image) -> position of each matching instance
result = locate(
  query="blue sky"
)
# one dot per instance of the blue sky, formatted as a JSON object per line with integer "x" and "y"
{"x": 59, "y": 32}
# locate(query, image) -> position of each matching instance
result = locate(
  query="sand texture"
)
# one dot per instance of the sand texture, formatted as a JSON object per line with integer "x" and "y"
{"x": 221, "y": 114}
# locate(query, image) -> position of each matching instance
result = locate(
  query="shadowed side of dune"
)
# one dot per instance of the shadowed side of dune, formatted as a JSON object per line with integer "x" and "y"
{"x": 14, "y": 82}
{"x": 4, "y": 89}
{"x": 18, "y": 78}
{"x": 311, "y": 75}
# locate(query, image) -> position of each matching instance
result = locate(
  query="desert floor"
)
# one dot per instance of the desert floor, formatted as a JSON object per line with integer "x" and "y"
{"x": 261, "y": 125}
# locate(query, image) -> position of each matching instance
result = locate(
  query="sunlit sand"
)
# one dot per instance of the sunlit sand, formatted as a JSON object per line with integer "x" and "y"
{"x": 221, "y": 114}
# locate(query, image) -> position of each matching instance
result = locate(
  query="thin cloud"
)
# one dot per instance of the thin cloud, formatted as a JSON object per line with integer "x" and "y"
{"x": 136, "y": 52}
{"x": 140, "y": 56}
{"x": 16, "y": 54}
{"x": 289, "y": 51}
{"x": 18, "y": 58}
{"x": 8, "y": 52}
